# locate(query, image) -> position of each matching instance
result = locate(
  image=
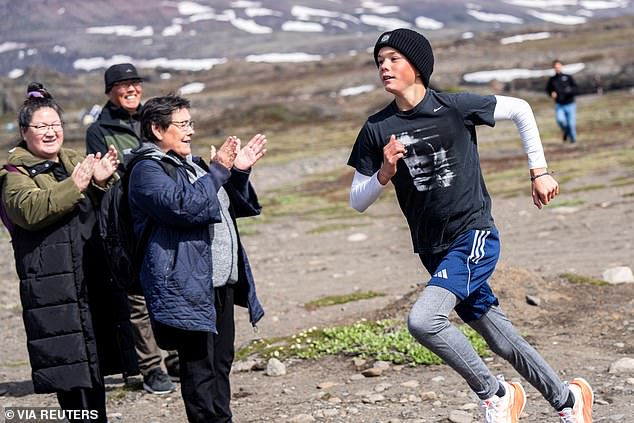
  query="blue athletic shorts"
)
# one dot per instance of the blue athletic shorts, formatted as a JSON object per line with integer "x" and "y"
{"x": 465, "y": 269}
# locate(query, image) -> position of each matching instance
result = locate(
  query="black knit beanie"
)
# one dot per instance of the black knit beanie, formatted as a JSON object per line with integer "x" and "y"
{"x": 413, "y": 45}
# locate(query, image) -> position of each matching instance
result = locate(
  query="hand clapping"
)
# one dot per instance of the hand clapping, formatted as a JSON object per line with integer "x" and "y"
{"x": 105, "y": 166}
{"x": 227, "y": 152}
{"x": 82, "y": 174}
{"x": 251, "y": 153}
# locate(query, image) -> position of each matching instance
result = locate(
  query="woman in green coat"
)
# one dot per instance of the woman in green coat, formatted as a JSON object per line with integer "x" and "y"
{"x": 72, "y": 318}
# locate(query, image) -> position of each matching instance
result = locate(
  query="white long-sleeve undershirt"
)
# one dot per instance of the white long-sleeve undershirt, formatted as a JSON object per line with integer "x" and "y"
{"x": 366, "y": 189}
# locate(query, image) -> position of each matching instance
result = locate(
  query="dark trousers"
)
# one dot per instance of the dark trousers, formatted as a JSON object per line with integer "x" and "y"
{"x": 205, "y": 362}
{"x": 147, "y": 351}
{"x": 91, "y": 400}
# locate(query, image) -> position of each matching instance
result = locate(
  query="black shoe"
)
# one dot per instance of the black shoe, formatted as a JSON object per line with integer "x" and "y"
{"x": 157, "y": 382}
{"x": 174, "y": 370}
{"x": 564, "y": 138}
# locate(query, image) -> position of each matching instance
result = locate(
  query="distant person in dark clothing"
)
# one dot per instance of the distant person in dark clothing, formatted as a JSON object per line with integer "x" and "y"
{"x": 563, "y": 89}
{"x": 118, "y": 125}
{"x": 77, "y": 327}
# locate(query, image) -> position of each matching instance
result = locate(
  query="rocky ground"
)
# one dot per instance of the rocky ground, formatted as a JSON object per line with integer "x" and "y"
{"x": 581, "y": 329}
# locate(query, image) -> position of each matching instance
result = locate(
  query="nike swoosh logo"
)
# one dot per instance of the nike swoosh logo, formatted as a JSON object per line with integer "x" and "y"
{"x": 437, "y": 108}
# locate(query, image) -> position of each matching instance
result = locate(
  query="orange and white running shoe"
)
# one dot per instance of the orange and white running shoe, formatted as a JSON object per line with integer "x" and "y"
{"x": 506, "y": 409}
{"x": 581, "y": 411}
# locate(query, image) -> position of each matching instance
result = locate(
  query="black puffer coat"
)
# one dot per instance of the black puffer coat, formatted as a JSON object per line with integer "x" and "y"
{"x": 77, "y": 326}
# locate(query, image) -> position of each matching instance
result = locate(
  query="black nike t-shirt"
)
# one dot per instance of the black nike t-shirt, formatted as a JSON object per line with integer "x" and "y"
{"x": 439, "y": 183}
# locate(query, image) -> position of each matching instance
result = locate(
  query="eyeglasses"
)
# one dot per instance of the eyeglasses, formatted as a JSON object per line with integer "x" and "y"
{"x": 127, "y": 83}
{"x": 183, "y": 124}
{"x": 42, "y": 128}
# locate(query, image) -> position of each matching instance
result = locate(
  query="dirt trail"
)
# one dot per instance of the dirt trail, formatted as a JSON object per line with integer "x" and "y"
{"x": 581, "y": 330}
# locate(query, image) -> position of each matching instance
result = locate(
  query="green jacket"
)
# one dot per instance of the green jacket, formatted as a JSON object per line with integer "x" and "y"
{"x": 113, "y": 126}
{"x": 35, "y": 202}
{"x": 77, "y": 326}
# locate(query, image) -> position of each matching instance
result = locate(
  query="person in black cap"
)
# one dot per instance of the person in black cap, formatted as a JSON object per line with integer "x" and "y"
{"x": 119, "y": 125}
{"x": 425, "y": 143}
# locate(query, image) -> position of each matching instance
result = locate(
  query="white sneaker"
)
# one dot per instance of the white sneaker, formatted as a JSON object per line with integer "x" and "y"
{"x": 506, "y": 409}
{"x": 581, "y": 412}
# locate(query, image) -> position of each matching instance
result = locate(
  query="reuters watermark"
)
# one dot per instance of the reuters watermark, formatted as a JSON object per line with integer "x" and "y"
{"x": 46, "y": 415}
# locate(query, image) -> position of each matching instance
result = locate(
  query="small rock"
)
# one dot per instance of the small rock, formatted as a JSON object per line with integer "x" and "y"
{"x": 382, "y": 364}
{"x": 372, "y": 372}
{"x": 371, "y": 399}
{"x": 244, "y": 365}
{"x": 438, "y": 379}
{"x": 331, "y": 412}
{"x": 623, "y": 365}
{"x": 533, "y": 300}
{"x": 429, "y": 396}
{"x": 411, "y": 384}
{"x": 620, "y": 274}
{"x": 457, "y": 416}
{"x": 381, "y": 387}
{"x": 359, "y": 237}
{"x": 414, "y": 398}
{"x": 359, "y": 362}
{"x": 327, "y": 385}
{"x": 275, "y": 368}
{"x": 302, "y": 418}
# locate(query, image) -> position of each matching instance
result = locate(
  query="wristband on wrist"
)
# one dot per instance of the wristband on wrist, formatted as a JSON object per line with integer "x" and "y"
{"x": 540, "y": 175}
{"x": 378, "y": 176}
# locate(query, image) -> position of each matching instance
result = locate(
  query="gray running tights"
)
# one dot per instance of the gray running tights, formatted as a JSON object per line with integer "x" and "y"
{"x": 428, "y": 322}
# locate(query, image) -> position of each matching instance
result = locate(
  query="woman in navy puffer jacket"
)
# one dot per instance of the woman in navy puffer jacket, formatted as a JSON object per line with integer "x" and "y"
{"x": 194, "y": 268}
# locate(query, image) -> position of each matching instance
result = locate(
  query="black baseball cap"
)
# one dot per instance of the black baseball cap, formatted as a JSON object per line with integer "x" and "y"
{"x": 120, "y": 72}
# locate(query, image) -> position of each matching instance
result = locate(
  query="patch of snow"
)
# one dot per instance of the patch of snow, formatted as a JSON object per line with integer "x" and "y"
{"x": 190, "y": 8}
{"x": 384, "y": 23}
{"x": 543, "y": 4}
{"x": 558, "y": 19}
{"x": 254, "y": 12}
{"x": 507, "y": 75}
{"x": 494, "y": 17}
{"x": 302, "y": 26}
{"x": 305, "y": 13}
{"x": 520, "y": 38}
{"x": 243, "y": 4}
{"x": 192, "y": 88}
{"x": 283, "y": 57}
{"x": 427, "y": 23}
{"x": 350, "y": 91}
{"x": 597, "y": 4}
{"x": 15, "y": 73}
{"x": 121, "y": 31}
{"x": 10, "y": 45}
{"x": 172, "y": 30}
{"x": 250, "y": 26}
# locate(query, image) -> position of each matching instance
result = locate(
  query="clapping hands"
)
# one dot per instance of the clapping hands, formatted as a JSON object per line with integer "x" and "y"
{"x": 251, "y": 153}
{"x": 105, "y": 166}
{"x": 231, "y": 154}
{"x": 97, "y": 167}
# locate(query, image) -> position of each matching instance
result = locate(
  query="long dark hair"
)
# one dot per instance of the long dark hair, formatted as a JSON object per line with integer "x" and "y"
{"x": 37, "y": 97}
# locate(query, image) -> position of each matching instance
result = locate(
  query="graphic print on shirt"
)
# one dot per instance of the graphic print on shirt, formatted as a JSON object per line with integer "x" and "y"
{"x": 427, "y": 160}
